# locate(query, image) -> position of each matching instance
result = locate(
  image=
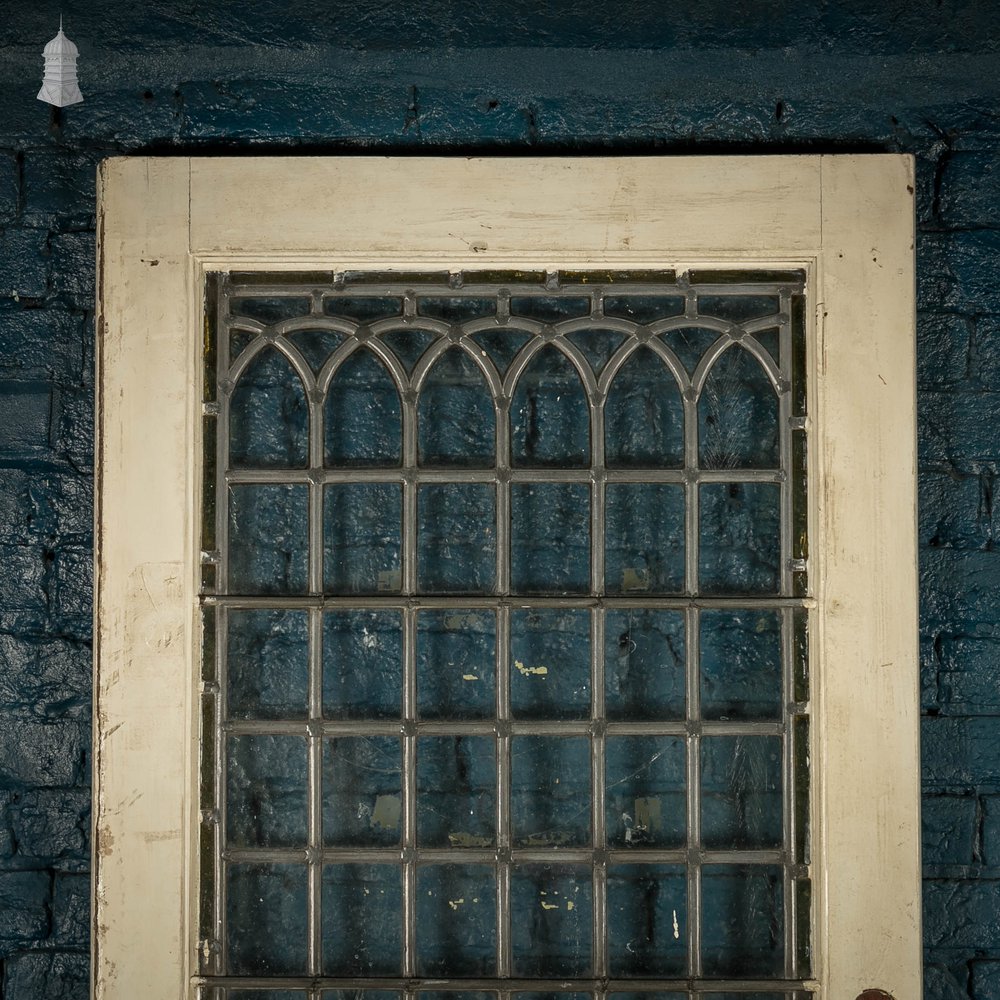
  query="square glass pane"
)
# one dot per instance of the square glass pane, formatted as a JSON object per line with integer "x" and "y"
{"x": 644, "y": 538}
{"x": 647, "y": 920}
{"x": 456, "y": 664}
{"x": 267, "y": 664}
{"x": 742, "y": 927}
{"x": 550, "y": 663}
{"x": 266, "y": 919}
{"x": 739, "y": 539}
{"x": 645, "y": 791}
{"x": 550, "y": 538}
{"x": 551, "y": 920}
{"x": 741, "y": 675}
{"x": 267, "y": 791}
{"x": 741, "y": 792}
{"x": 644, "y": 674}
{"x": 456, "y": 532}
{"x": 362, "y": 920}
{"x": 456, "y": 791}
{"x": 362, "y": 664}
{"x": 362, "y": 791}
{"x": 550, "y": 790}
{"x": 362, "y": 534}
{"x": 456, "y": 920}
{"x": 268, "y": 539}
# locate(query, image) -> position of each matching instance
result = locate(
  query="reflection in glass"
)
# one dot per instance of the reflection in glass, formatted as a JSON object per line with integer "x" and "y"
{"x": 268, "y": 415}
{"x": 362, "y": 791}
{"x": 456, "y": 920}
{"x": 550, "y": 790}
{"x": 549, "y": 417}
{"x": 266, "y": 919}
{"x": 551, "y": 921}
{"x": 738, "y": 415}
{"x": 456, "y": 532}
{"x": 647, "y": 920}
{"x": 456, "y": 419}
{"x": 550, "y": 663}
{"x": 362, "y": 415}
{"x": 362, "y": 920}
{"x": 550, "y": 538}
{"x": 643, "y": 415}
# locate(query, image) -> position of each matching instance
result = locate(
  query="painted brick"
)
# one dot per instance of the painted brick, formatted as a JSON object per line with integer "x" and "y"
{"x": 61, "y": 504}
{"x": 960, "y": 753}
{"x": 51, "y": 825}
{"x": 23, "y": 582}
{"x": 59, "y": 184}
{"x": 73, "y": 421}
{"x": 74, "y": 583}
{"x": 991, "y": 831}
{"x": 73, "y": 263}
{"x": 42, "y": 754}
{"x": 959, "y": 272}
{"x": 47, "y": 976}
{"x": 929, "y": 667}
{"x": 969, "y": 675}
{"x": 958, "y": 588}
{"x": 943, "y": 983}
{"x": 955, "y": 509}
{"x": 970, "y": 190}
{"x": 45, "y": 679}
{"x": 71, "y": 911}
{"x": 985, "y": 980}
{"x": 25, "y": 255}
{"x": 949, "y": 829}
{"x": 9, "y": 186}
{"x": 41, "y": 343}
{"x": 24, "y": 908}
{"x": 944, "y": 342}
{"x": 25, "y": 416}
{"x": 985, "y": 355}
{"x": 960, "y": 915}
{"x": 950, "y": 426}
{"x": 15, "y": 507}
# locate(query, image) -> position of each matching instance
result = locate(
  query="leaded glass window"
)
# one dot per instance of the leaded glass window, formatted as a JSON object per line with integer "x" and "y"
{"x": 505, "y": 636}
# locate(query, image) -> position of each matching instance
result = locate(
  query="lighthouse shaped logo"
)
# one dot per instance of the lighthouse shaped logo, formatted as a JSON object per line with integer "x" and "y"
{"x": 59, "y": 86}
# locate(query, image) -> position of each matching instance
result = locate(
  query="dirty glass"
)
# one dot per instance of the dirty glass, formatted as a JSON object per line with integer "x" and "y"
{"x": 505, "y": 692}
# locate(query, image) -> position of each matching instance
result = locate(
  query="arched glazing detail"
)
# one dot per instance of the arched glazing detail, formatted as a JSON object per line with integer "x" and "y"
{"x": 549, "y": 417}
{"x": 738, "y": 414}
{"x": 434, "y": 635}
{"x": 644, "y": 415}
{"x": 363, "y": 416}
{"x": 268, "y": 415}
{"x": 408, "y": 344}
{"x": 455, "y": 417}
{"x": 316, "y": 345}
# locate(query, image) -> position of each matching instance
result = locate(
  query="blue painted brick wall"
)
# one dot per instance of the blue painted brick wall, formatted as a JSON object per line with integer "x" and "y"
{"x": 636, "y": 76}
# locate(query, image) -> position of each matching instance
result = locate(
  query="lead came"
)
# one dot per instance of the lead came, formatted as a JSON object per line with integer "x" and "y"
{"x": 510, "y": 685}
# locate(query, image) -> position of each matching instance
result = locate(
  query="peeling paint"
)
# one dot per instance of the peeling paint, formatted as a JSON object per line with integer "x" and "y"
{"x": 530, "y": 671}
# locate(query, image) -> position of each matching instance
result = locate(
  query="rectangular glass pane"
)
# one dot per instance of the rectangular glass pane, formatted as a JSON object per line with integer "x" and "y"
{"x": 362, "y": 791}
{"x": 550, "y": 538}
{"x": 647, "y": 920}
{"x": 267, "y": 919}
{"x": 456, "y": 664}
{"x": 456, "y": 791}
{"x": 644, "y": 664}
{"x": 550, "y": 663}
{"x": 362, "y": 529}
{"x": 362, "y": 664}
{"x": 645, "y": 788}
{"x": 456, "y": 526}
{"x": 268, "y": 539}
{"x": 267, "y": 664}
{"x": 362, "y": 920}
{"x": 550, "y": 790}
{"x": 644, "y": 538}
{"x": 551, "y": 920}
{"x": 456, "y": 920}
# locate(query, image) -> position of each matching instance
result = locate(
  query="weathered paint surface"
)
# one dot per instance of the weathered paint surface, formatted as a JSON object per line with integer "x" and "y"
{"x": 918, "y": 77}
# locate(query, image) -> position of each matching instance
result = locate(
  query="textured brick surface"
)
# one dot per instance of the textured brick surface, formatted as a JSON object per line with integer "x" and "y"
{"x": 303, "y": 77}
